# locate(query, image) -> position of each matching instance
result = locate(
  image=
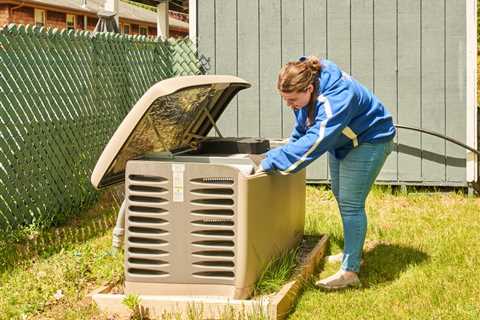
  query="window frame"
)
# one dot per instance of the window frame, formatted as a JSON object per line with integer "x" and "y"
{"x": 74, "y": 21}
{"x": 144, "y": 26}
{"x": 36, "y": 13}
{"x": 128, "y": 26}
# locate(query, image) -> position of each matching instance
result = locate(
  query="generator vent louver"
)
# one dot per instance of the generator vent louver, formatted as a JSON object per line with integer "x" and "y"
{"x": 145, "y": 240}
{"x": 214, "y": 233}
{"x": 213, "y": 212}
{"x": 225, "y": 264}
{"x": 147, "y": 272}
{"x": 142, "y": 230}
{"x": 143, "y": 209}
{"x": 148, "y": 226}
{"x": 144, "y": 188}
{"x": 213, "y": 201}
{"x": 146, "y": 178}
{"x": 213, "y": 180}
{"x": 213, "y": 221}
{"x": 220, "y": 253}
{"x": 216, "y": 191}
{"x": 156, "y": 252}
{"x": 147, "y": 219}
{"x": 147, "y": 199}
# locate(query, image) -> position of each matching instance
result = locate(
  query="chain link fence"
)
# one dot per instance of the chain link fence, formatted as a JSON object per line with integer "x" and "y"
{"x": 62, "y": 95}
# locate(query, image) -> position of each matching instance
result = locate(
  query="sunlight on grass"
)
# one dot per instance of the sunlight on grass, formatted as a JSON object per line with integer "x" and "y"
{"x": 421, "y": 261}
{"x": 53, "y": 270}
{"x": 421, "y": 257}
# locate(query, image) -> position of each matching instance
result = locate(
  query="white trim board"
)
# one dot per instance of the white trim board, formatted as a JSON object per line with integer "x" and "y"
{"x": 192, "y": 21}
{"x": 471, "y": 81}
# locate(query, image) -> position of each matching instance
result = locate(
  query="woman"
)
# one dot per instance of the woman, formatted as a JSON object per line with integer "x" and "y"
{"x": 337, "y": 114}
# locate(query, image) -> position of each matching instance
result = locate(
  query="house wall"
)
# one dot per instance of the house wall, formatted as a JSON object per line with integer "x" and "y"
{"x": 56, "y": 19}
{"x": 22, "y": 15}
{"x": 3, "y": 14}
{"x": 80, "y": 22}
{"x": 134, "y": 29}
{"x": 91, "y": 23}
{"x": 410, "y": 53}
{"x": 152, "y": 31}
{"x": 177, "y": 33}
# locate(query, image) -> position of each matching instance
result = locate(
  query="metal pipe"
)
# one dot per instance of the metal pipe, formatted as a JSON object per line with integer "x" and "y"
{"x": 436, "y": 134}
{"x": 119, "y": 230}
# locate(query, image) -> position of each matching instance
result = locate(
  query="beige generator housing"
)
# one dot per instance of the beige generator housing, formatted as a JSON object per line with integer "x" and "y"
{"x": 198, "y": 221}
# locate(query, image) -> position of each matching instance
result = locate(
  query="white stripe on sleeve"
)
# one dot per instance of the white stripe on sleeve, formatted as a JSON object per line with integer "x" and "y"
{"x": 321, "y": 135}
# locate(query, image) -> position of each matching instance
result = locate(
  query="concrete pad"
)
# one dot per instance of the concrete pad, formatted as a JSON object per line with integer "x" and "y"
{"x": 273, "y": 306}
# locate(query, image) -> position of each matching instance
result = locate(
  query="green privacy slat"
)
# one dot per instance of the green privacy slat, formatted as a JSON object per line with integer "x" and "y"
{"x": 62, "y": 95}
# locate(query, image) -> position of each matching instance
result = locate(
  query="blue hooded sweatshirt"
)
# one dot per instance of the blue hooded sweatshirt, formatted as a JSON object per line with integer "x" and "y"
{"x": 346, "y": 115}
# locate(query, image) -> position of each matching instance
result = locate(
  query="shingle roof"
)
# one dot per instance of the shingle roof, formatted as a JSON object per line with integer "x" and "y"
{"x": 126, "y": 10}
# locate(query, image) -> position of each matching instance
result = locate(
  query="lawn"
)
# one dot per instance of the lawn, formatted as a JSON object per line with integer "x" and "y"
{"x": 421, "y": 258}
{"x": 421, "y": 262}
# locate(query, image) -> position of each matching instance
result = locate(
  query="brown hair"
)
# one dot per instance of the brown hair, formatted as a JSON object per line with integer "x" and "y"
{"x": 296, "y": 76}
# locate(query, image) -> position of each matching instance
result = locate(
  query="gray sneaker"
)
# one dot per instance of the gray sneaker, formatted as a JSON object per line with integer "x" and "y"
{"x": 339, "y": 281}
{"x": 337, "y": 258}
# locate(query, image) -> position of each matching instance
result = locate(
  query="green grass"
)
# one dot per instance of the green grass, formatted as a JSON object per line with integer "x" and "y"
{"x": 421, "y": 258}
{"x": 47, "y": 274}
{"x": 421, "y": 262}
{"x": 277, "y": 272}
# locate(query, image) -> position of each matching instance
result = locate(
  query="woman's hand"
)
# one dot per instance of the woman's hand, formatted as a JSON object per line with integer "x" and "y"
{"x": 257, "y": 159}
{"x": 259, "y": 170}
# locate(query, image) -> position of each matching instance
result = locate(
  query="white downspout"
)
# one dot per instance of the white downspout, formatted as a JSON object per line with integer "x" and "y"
{"x": 112, "y": 6}
{"x": 85, "y": 18}
{"x": 162, "y": 20}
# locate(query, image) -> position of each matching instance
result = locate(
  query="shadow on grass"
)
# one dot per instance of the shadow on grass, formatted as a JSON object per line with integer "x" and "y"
{"x": 335, "y": 241}
{"x": 44, "y": 243}
{"x": 384, "y": 262}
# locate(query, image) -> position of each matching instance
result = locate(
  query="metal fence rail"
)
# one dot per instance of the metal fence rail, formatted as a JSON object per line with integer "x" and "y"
{"x": 62, "y": 95}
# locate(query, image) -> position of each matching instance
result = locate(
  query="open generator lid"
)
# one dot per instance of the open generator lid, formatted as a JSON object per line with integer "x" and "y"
{"x": 172, "y": 115}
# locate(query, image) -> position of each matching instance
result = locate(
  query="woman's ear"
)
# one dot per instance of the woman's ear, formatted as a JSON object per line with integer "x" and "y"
{"x": 310, "y": 88}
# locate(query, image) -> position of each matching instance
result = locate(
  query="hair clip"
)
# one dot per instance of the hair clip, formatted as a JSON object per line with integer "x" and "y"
{"x": 302, "y": 58}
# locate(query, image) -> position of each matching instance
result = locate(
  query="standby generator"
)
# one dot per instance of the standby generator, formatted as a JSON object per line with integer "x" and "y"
{"x": 197, "y": 220}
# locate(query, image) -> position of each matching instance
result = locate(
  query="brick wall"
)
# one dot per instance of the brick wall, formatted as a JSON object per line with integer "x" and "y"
{"x": 91, "y": 23}
{"x": 134, "y": 29}
{"x": 53, "y": 19}
{"x": 22, "y": 15}
{"x": 152, "y": 31}
{"x": 173, "y": 33}
{"x": 56, "y": 19}
{"x": 79, "y": 23}
{"x": 3, "y": 14}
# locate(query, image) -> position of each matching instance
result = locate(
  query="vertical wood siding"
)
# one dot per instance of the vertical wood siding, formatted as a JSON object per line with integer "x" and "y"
{"x": 410, "y": 53}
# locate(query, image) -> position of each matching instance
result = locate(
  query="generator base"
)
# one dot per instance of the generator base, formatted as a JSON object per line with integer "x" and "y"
{"x": 275, "y": 306}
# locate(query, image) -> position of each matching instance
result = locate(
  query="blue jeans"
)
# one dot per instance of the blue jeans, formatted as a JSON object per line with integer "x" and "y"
{"x": 352, "y": 179}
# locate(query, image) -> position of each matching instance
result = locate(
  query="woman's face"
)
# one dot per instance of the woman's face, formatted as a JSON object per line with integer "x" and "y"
{"x": 298, "y": 99}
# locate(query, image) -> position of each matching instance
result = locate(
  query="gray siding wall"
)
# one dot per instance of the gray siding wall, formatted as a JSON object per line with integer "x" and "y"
{"x": 410, "y": 53}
